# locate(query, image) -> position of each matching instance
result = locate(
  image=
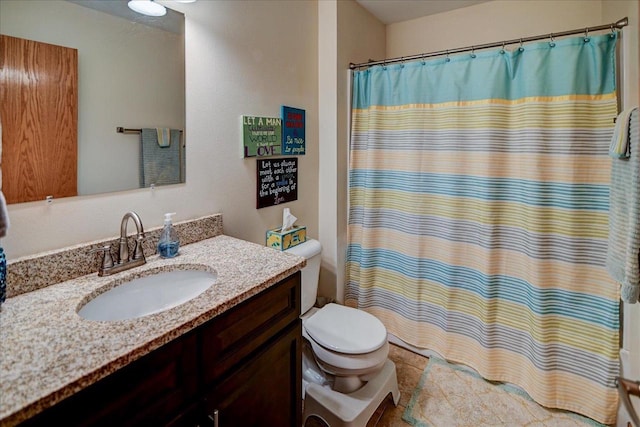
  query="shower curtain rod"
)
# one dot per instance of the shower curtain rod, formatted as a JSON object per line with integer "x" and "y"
{"x": 618, "y": 24}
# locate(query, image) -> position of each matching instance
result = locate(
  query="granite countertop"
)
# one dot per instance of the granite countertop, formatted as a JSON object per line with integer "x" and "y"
{"x": 48, "y": 352}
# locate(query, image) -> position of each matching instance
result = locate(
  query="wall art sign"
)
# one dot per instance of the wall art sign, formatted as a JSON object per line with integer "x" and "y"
{"x": 277, "y": 181}
{"x": 261, "y": 136}
{"x": 293, "y": 131}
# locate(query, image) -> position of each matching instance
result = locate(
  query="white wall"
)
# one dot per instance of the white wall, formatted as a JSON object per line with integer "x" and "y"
{"x": 327, "y": 177}
{"x": 242, "y": 57}
{"x": 489, "y": 22}
{"x": 349, "y": 34}
{"x": 115, "y": 86}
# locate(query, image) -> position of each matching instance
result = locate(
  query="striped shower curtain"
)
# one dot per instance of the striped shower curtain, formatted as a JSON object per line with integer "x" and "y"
{"x": 478, "y": 214}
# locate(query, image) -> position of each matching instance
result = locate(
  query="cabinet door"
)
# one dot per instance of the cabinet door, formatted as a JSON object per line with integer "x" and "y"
{"x": 193, "y": 416}
{"x": 266, "y": 390}
{"x": 234, "y": 335}
{"x": 148, "y": 392}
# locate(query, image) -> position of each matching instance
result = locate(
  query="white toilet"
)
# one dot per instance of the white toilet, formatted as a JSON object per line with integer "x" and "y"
{"x": 350, "y": 346}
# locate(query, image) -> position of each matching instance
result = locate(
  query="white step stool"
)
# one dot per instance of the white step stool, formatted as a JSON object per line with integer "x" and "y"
{"x": 353, "y": 409}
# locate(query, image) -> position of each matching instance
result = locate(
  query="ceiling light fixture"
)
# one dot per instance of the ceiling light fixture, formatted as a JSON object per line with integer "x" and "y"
{"x": 185, "y": 1}
{"x": 147, "y": 7}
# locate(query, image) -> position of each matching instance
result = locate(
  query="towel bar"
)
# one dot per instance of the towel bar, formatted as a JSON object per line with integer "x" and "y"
{"x": 126, "y": 130}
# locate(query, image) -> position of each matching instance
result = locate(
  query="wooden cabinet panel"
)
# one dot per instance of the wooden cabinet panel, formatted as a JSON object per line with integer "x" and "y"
{"x": 193, "y": 416}
{"x": 39, "y": 115}
{"x": 264, "y": 391}
{"x": 150, "y": 391}
{"x": 238, "y": 332}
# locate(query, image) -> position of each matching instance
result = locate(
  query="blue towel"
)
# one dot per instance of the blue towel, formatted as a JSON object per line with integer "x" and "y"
{"x": 624, "y": 218}
{"x": 160, "y": 165}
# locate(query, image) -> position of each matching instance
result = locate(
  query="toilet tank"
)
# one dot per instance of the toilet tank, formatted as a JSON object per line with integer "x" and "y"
{"x": 310, "y": 250}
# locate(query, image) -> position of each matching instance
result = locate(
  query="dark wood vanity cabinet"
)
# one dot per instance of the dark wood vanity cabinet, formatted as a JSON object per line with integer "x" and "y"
{"x": 259, "y": 392}
{"x": 265, "y": 333}
{"x": 145, "y": 392}
{"x": 242, "y": 368}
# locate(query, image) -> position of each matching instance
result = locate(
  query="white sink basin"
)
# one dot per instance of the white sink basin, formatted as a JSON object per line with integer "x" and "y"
{"x": 148, "y": 295}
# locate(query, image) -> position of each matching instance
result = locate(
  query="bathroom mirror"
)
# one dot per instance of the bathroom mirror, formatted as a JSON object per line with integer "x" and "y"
{"x": 130, "y": 75}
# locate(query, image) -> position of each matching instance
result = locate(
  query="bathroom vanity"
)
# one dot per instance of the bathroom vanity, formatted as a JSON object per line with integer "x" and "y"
{"x": 242, "y": 366}
{"x": 230, "y": 355}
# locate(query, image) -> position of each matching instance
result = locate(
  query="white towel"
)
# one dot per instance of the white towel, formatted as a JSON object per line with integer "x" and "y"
{"x": 619, "y": 147}
{"x": 164, "y": 137}
{"x": 624, "y": 217}
{"x": 4, "y": 216}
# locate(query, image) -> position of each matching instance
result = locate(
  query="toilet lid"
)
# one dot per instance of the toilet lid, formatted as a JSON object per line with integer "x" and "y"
{"x": 346, "y": 330}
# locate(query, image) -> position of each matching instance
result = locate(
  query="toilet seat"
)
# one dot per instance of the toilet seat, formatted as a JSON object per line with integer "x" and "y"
{"x": 346, "y": 341}
{"x": 346, "y": 330}
{"x": 349, "y": 364}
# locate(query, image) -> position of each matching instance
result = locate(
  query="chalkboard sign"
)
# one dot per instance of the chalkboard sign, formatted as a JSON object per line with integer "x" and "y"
{"x": 293, "y": 130}
{"x": 277, "y": 181}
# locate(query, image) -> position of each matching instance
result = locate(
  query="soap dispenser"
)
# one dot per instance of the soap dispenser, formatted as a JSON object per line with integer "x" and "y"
{"x": 169, "y": 243}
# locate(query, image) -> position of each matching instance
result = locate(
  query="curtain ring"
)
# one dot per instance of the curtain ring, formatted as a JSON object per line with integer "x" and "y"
{"x": 586, "y": 34}
{"x": 402, "y": 62}
{"x": 502, "y": 50}
{"x": 551, "y": 42}
{"x": 424, "y": 55}
{"x": 521, "y": 49}
{"x": 473, "y": 49}
{"x": 447, "y": 59}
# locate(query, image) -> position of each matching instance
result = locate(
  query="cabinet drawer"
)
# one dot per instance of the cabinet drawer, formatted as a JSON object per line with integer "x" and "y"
{"x": 236, "y": 333}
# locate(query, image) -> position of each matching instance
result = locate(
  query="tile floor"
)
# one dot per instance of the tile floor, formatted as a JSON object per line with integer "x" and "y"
{"x": 409, "y": 367}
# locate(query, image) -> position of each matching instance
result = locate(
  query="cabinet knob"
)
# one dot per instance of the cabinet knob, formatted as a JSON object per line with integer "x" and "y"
{"x": 214, "y": 418}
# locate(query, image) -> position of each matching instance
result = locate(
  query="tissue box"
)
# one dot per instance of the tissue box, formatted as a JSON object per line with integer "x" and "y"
{"x": 288, "y": 239}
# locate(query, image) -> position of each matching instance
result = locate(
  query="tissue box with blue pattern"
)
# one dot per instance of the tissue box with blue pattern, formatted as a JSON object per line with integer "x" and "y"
{"x": 288, "y": 239}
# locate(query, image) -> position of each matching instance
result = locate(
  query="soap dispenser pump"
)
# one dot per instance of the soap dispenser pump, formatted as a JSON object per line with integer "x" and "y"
{"x": 169, "y": 243}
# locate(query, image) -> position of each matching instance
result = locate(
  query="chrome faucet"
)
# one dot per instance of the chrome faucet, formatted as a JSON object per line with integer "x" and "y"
{"x": 138, "y": 253}
{"x": 124, "y": 262}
